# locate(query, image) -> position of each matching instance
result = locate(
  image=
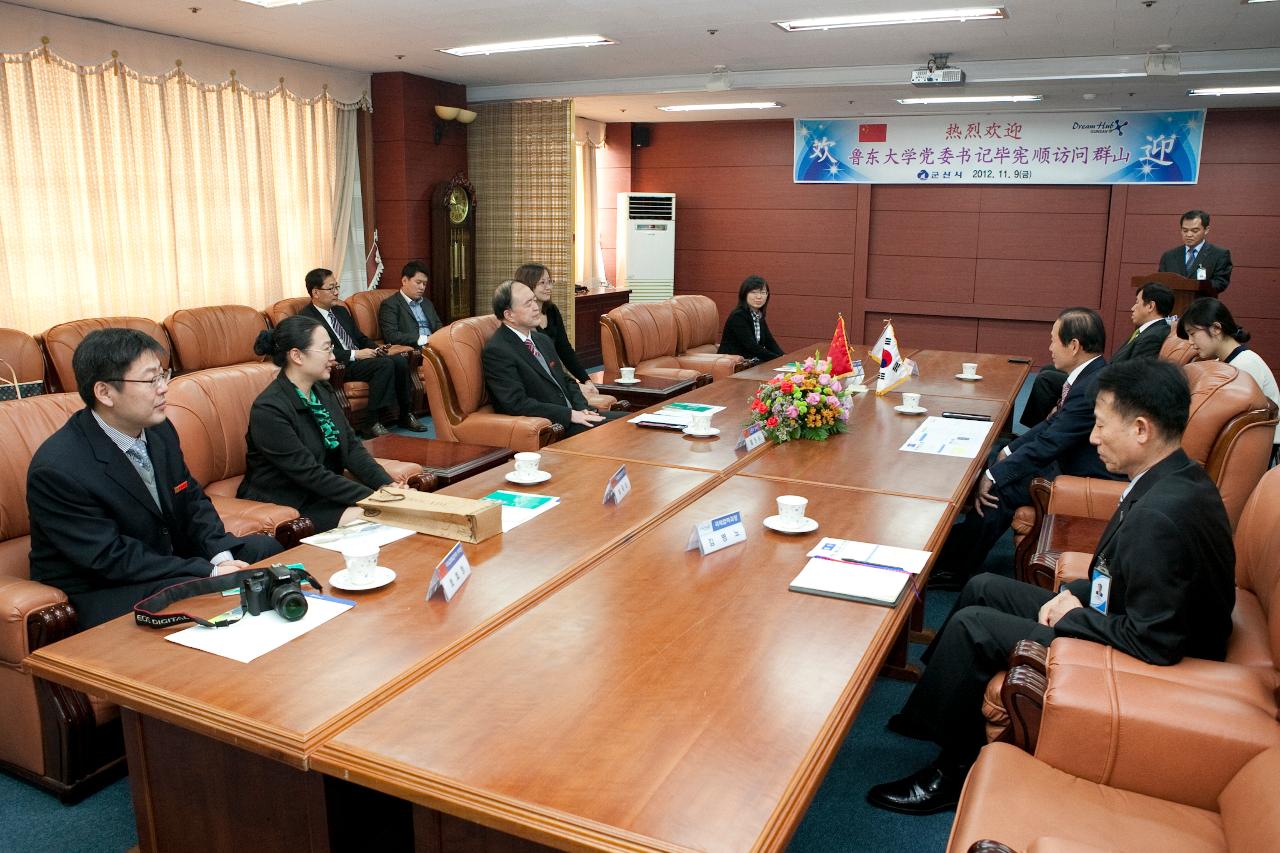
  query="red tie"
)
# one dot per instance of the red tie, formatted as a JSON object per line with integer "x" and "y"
{"x": 1066, "y": 389}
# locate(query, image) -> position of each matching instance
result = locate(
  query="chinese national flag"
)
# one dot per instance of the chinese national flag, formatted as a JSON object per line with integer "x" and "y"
{"x": 838, "y": 353}
{"x": 873, "y": 132}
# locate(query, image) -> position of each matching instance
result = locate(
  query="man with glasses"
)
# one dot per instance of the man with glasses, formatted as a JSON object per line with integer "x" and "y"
{"x": 115, "y": 514}
{"x": 390, "y": 384}
{"x": 409, "y": 318}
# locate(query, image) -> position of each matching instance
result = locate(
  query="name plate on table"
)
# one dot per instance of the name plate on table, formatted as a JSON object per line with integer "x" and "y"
{"x": 717, "y": 534}
{"x": 618, "y": 487}
{"x": 450, "y": 574}
{"x": 751, "y": 438}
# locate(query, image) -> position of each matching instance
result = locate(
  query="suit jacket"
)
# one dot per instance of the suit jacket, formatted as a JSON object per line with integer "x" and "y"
{"x": 739, "y": 337}
{"x": 397, "y": 323}
{"x": 97, "y": 535}
{"x": 1062, "y": 439}
{"x": 519, "y": 386}
{"x": 345, "y": 320}
{"x": 1169, "y": 550}
{"x": 1146, "y": 345}
{"x": 560, "y": 339}
{"x": 287, "y": 462}
{"x": 1215, "y": 260}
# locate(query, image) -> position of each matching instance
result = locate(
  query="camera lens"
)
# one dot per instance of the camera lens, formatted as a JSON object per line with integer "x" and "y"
{"x": 289, "y": 602}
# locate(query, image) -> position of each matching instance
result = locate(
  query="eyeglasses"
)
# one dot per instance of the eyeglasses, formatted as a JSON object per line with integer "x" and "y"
{"x": 161, "y": 378}
{"x": 333, "y": 288}
{"x": 327, "y": 349}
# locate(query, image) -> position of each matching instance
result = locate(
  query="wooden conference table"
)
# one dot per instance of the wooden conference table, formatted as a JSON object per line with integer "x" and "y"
{"x": 592, "y": 686}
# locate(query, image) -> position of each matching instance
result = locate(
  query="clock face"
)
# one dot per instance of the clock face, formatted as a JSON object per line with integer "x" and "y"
{"x": 459, "y": 205}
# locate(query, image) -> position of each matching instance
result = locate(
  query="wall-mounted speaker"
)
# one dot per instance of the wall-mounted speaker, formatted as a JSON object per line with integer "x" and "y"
{"x": 640, "y": 135}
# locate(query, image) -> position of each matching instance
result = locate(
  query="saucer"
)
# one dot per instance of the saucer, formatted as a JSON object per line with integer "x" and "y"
{"x": 540, "y": 477}
{"x": 708, "y": 434}
{"x": 775, "y": 522}
{"x": 918, "y": 410}
{"x": 381, "y": 577}
{"x": 969, "y": 377}
{"x": 626, "y": 381}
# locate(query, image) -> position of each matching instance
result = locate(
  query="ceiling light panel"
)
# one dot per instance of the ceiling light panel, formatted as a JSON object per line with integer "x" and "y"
{"x": 688, "y": 108}
{"x": 975, "y": 99}
{"x": 888, "y": 19}
{"x": 528, "y": 44}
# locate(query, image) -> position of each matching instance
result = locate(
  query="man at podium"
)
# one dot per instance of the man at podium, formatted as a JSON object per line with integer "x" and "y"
{"x": 1197, "y": 258}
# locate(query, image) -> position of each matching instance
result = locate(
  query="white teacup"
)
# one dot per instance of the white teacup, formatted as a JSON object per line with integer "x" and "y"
{"x": 362, "y": 559}
{"x": 700, "y": 422}
{"x": 969, "y": 368}
{"x": 628, "y": 374}
{"x": 910, "y": 401}
{"x": 527, "y": 464}
{"x": 791, "y": 508}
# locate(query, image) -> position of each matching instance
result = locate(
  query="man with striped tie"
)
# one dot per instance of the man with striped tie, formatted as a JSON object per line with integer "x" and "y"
{"x": 1198, "y": 258}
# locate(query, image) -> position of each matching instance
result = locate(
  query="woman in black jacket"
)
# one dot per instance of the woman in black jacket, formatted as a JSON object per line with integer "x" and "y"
{"x": 538, "y": 278}
{"x": 300, "y": 443}
{"x": 745, "y": 331}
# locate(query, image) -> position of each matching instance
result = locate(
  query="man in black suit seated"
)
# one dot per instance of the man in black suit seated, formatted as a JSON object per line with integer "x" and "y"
{"x": 115, "y": 514}
{"x": 1057, "y": 445}
{"x": 409, "y": 318}
{"x": 387, "y": 373}
{"x": 523, "y": 372}
{"x": 1198, "y": 258}
{"x": 1161, "y": 585}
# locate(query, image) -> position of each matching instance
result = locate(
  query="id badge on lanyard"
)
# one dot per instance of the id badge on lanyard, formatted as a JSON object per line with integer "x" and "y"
{"x": 1100, "y": 586}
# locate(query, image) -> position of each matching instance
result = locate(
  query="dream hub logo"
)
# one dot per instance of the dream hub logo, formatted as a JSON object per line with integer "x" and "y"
{"x": 1115, "y": 126}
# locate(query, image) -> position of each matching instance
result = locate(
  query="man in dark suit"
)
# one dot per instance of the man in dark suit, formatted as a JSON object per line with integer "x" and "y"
{"x": 115, "y": 514}
{"x": 387, "y": 374}
{"x": 1151, "y": 308}
{"x": 1057, "y": 445}
{"x": 1196, "y": 257}
{"x": 1161, "y": 584}
{"x": 409, "y": 318}
{"x": 523, "y": 372}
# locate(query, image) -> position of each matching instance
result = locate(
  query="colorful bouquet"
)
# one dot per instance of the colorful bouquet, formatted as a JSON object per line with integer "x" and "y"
{"x": 808, "y": 403}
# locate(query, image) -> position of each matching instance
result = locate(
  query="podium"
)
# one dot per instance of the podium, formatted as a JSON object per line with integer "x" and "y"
{"x": 1185, "y": 290}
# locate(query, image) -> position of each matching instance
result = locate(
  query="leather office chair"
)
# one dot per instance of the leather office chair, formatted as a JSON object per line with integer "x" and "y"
{"x": 352, "y": 396}
{"x": 1176, "y": 350}
{"x": 287, "y": 308}
{"x": 61, "y": 341}
{"x": 454, "y": 376}
{"x": 62, "y": 741}
{"x": 1229, "y": 432}
{"x": 214, "y": 336}
{"x": 643, "y": 335}
{"x": 21, "y": 362}
{"x": 698, "y": 324}
{"x": 364, "y": 306}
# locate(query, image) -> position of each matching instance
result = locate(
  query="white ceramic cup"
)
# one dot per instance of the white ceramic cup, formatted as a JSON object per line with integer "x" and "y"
{"x": 527, "y": 464}
{"x": 700, "y": 422}
{"x": 910, "y": 401}
{"x": 791, "y": 508}
{"x": 362, "y": 559}
{"x": 628, "y": 373}
{"x": 969, "y": 368}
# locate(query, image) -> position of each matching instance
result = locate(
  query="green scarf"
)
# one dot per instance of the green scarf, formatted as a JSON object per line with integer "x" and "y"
{"x": 327, "y": 427}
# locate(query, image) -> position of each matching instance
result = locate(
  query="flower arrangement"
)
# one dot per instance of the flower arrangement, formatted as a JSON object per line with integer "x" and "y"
{"x": 809, "y": 403}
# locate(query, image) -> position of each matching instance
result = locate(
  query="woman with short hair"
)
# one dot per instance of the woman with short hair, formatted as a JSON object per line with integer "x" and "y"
{"x": 745, "y": 331}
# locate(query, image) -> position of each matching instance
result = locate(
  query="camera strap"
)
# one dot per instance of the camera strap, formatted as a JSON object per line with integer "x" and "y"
{"x": 149, "y": 611}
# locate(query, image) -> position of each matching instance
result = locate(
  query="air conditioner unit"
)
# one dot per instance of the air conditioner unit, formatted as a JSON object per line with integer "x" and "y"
{"x": 647, "y": 245}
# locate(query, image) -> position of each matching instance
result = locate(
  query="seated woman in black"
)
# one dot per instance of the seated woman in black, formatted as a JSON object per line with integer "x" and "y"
{"x": 538, "y": 278}
{"x": 300, "y": 443}
{"x": 745, "y": 331}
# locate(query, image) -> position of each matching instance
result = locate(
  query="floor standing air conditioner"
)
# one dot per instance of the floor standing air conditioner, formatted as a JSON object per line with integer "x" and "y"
{"x": 647, "y": 245}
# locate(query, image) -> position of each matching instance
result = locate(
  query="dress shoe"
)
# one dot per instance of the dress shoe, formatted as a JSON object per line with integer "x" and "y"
{"x": 410, "y": 422}
{"x": 928, "y": 791}
{"x": 944, "y": 581}
{"x": 376, "y": 430}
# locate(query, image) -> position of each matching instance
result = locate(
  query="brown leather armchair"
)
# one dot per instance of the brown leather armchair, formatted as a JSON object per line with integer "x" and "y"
{"x": 353, "y": 396}
{"x": 61, "y": 341}
{"x": 1230, "y": 431}
{"x": 454, "y": 375}
{"x": 214, "y": 336}
{"x": 643, "y": 335}
{"x": 1177, "y": 350}
{"x": 364, "y": 306}
{"x": 21, "y": 361}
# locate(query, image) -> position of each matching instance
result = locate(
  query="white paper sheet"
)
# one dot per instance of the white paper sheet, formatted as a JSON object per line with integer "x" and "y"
{"x": 852, "y": 581}
{"x": 519, "y": 507}
{"x": 254, "y": 636}
{"x": 680, "y": 414}
{"x": 948, "y": 437}
{"x": 358, "y": 532}
{"x": 847, "y": 550}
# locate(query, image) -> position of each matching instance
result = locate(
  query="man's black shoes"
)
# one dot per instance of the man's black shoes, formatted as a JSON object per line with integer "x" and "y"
{"x": 934, "y": 789}
{"x": 412, "y": 423}
{"x": 376, "y": 430}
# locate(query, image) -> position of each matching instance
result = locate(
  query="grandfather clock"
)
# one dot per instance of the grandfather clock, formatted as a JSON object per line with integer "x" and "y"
{"x": 453, "y": 248}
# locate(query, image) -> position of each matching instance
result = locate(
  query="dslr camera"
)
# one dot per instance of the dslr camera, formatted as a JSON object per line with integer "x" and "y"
{"x": 274, "y": 588}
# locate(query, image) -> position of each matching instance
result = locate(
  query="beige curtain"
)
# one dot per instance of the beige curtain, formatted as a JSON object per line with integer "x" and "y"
{"x": 588, "y": 257}
{"x": 520, "y": 158}
{"x": 122, "y": 194}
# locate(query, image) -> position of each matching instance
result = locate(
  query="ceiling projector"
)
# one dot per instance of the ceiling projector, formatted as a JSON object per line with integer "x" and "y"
{"x": 937, "y": 77}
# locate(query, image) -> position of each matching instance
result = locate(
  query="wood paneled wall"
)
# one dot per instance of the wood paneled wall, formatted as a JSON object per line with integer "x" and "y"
{"x": 962, "y": 267}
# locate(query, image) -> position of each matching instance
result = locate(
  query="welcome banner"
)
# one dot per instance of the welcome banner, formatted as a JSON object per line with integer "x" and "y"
{"x": 1004, "y": 148}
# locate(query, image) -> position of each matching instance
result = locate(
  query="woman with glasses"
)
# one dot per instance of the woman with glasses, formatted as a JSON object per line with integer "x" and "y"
{"x": 538, "y": 278}
{"x": 300, "y": 443}
{"x": 745, "y": 331}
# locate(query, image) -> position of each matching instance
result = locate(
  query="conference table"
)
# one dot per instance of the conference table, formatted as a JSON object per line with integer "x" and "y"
{"x": 593, "y": 685}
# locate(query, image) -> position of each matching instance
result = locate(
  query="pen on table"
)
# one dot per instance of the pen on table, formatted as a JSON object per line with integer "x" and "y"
{"x": 966, "y": 416}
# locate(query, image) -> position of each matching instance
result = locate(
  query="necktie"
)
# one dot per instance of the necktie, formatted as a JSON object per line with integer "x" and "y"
{"x": 1134, "y": 335}
{"x": 141, "y": 461}
{"x": 1062, "y": 398}
{"x": 536, "y": 353}
{"x": 1191, "y": 258}
{"x": 341, "y": 332}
